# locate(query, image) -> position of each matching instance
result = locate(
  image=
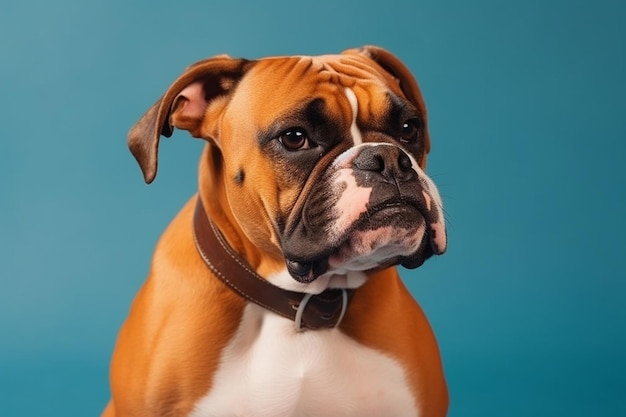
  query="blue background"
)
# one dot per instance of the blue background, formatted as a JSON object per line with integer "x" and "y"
{"x": 526, "y": 102}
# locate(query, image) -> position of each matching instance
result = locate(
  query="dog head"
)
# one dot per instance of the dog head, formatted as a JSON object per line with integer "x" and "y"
{"x": 321, "y": 159}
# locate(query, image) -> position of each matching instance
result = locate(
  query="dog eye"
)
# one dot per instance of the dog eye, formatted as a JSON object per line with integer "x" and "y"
{"x": 295, "y": 139}
{"x": 411, "y": 130}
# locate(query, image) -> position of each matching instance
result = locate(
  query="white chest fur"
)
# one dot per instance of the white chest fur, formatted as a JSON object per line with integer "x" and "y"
{"x": 269, "y": 370}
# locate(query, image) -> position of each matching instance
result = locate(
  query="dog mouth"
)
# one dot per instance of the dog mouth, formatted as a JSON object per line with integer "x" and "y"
{"x": 307, "y": 271}
{"x": 397, "y": 232}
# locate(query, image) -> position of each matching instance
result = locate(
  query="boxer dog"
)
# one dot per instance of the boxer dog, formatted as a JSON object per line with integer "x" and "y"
{"x": 274, "y": 292}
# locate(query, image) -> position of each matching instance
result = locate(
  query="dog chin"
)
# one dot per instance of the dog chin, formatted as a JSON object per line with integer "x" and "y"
{"x": 369, "y": 249}
{"x": 363, "y": 250}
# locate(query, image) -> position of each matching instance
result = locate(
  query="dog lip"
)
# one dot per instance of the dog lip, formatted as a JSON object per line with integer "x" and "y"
{"x": 392, "y": 203}
{"x": 400, "y": 203}
{"x": 306, "y": 271}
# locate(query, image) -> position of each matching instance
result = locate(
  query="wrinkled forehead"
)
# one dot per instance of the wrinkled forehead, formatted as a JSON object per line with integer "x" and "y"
{"x": 273, "y": 85}
{"x": 345, "y": 70}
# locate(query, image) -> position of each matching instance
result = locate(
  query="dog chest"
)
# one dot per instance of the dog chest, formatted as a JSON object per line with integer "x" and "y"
{"x": 269, "y": 370}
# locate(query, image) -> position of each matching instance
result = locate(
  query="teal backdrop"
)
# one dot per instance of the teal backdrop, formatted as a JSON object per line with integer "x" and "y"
{"x": 527, "y": 104}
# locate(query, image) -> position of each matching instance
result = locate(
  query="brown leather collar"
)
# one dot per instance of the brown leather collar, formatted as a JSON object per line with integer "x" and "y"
{"x": 324, "y": 310}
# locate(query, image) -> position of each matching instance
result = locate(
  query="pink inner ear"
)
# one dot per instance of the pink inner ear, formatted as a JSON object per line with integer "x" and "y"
{"x": 193, "y": 103}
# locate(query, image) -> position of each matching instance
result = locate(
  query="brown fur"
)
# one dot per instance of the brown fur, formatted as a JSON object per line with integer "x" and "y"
{"x": 183, "y": 316}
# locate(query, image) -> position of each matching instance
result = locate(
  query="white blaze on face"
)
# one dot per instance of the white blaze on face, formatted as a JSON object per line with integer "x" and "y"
{"x": 354, "y": 130}
{"x": 352, "y": 202}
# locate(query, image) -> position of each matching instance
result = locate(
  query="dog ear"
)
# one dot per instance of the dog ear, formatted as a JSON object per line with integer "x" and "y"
{"x": 392, "y": 65}
{"x": 183, "y": 106}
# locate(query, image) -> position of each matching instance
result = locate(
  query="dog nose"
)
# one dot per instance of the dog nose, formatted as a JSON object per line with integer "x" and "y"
{"x": 390, "y": 162}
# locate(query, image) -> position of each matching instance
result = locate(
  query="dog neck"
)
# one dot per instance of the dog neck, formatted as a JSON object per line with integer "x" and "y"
{"x": 307, "y": 311}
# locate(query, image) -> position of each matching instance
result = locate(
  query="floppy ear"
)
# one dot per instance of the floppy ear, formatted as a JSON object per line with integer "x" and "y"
{"x": 183, "y": 106}
{"x": 391, "y": 64}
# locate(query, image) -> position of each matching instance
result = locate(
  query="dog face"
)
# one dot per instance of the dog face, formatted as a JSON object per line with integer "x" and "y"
{"x": 322, "y": 158}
